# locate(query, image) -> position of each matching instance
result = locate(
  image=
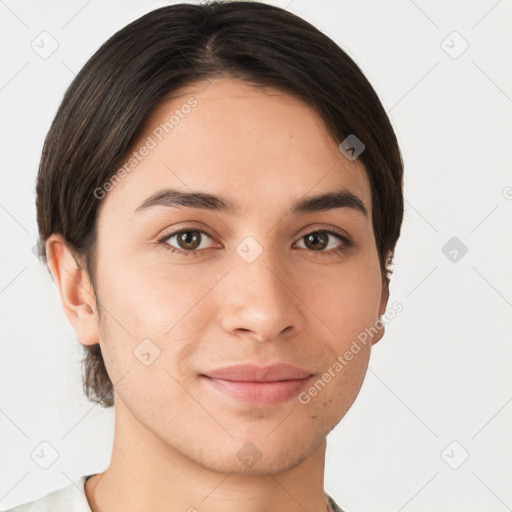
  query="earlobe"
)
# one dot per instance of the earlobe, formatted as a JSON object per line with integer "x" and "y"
{"x": 76, "y": 291}
{"x": 379, "y": 324}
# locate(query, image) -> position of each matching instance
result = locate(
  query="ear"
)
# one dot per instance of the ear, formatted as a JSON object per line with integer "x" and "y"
{"x": 382, "y": 309}
{"x": 76, "y": 291}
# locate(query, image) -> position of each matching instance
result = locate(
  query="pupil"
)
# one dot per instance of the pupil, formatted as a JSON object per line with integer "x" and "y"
{"x": 314, "y": 238}
{"x": 191, "y": 240}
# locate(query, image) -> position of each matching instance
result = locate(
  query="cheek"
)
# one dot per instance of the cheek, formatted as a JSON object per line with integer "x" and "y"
{"x": 346, "y": 300}
{"x": 333, "y": 392}
{"x": 151, "y": 314}
{"x": 152, "y": 296}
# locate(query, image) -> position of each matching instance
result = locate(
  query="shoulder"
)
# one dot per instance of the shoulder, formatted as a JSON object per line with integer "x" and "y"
{"x": 69, "y": 499}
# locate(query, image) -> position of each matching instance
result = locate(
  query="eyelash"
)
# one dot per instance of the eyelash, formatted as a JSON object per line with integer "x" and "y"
{"x": 344, "y": 247}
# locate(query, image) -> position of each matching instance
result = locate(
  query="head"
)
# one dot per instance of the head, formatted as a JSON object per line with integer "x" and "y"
{"x": 248, "y": 103}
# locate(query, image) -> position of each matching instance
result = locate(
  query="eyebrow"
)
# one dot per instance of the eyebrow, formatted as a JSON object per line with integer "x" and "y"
{"x": 341, "y": 198}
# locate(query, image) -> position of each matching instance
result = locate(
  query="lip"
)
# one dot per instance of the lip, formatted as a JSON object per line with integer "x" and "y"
{"x": 259, "y": 386}
{"x": 255, "y": 373}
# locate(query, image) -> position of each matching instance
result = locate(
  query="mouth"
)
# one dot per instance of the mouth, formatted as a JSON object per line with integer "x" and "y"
{"x": 254, "y": 373}
{"x": 258, "y": 386}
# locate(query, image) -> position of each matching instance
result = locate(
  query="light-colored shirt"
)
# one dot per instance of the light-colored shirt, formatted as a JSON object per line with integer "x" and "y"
{"x": 72, "y": 499}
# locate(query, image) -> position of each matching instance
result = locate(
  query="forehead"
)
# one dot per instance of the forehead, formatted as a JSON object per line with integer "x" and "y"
{"x": 257, "y": 146}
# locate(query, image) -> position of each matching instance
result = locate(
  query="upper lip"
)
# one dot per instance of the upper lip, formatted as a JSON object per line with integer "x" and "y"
{"x": 255, "y": 373}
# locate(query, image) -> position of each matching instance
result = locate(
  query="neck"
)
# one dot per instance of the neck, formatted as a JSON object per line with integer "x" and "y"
{"x": 147, "y": 473}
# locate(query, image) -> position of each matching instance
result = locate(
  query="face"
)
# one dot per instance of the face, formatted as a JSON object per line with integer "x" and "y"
{"x": 261, "y": 284}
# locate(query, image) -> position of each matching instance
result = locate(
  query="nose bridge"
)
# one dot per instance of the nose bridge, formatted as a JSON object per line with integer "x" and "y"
{"x": 262, "y": 279}
{"x": 259, "y": 298}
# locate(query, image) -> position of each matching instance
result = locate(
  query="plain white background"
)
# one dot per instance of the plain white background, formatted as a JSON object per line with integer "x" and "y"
{"x": 430, "y": 429}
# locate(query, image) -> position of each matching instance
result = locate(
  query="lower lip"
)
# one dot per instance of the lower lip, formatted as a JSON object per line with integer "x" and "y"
{"x": 259, "y": 393}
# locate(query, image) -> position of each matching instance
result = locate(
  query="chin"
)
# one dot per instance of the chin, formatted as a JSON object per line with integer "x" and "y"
{"x": 270, "y": 464}
{"x": 263, "y": 454}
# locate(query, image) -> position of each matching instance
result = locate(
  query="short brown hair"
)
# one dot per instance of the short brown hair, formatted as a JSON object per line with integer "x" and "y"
{"x": 106, "y": 106}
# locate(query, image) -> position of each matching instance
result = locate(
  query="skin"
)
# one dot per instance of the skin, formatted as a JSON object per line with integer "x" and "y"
{"x": 176, "y": 440}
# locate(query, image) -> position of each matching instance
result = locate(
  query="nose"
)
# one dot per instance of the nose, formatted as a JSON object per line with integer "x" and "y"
{"x": 261, "y": 301}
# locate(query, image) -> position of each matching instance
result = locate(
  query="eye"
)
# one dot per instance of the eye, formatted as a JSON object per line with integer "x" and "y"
{"x": 191, "y": 241}
{"x": 187, "y": 241}
{"x": 318, "y": 241}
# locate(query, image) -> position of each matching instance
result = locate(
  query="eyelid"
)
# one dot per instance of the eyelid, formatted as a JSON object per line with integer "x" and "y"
{"x": 325, "y": 227}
